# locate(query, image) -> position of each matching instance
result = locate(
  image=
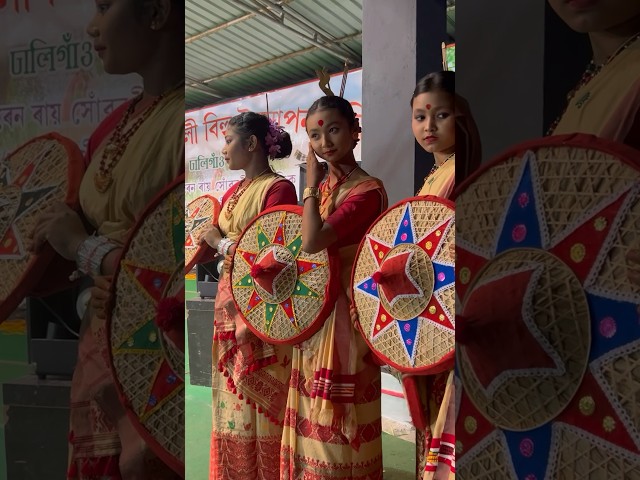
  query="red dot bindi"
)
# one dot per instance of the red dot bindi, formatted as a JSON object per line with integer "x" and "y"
{"x": 428, "y": 106}
{"x": 320, "y": 122}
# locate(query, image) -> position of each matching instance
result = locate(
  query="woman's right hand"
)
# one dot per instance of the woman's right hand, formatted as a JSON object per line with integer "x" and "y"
{"x": 211, "y": 237}
{"x": 100, "y": 295}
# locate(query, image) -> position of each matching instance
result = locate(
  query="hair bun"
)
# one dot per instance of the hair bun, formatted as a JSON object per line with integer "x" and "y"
{"x": 284, "y": 142}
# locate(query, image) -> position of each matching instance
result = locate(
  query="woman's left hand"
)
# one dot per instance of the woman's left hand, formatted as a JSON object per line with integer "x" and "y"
{"x": 633, "y": 266}
{"x": 62, "y": 228}
{"x": 228, "y": 261}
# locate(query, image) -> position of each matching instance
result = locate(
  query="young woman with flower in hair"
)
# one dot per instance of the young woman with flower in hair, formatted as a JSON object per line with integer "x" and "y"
{"x": 250, "y": 377}
{"x": 333, "y": 423}
{"x": 131, "y": 156}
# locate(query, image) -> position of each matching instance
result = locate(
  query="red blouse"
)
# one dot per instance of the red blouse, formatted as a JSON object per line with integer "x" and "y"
{"x": 280, "y": 193}
{"x": 354, "y": 216}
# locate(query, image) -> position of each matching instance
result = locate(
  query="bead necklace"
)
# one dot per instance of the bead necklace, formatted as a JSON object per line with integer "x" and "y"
{"x": 326, "y": 193}
{"x": 235, "y": 196}
{"x": 118, "y": 143}
{"x": 589, "y": 73}
{"x": 430, "y": 178}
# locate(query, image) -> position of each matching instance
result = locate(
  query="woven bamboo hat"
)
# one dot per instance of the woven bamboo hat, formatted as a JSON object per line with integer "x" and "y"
{"x": 548, "y": 342}
{"x": 46, "y": 169}
{"x": 201, "y": 214}
{"x": 146, "y": 326}
{"x": 283, "y": 294}
{"x": 403, "y": 285}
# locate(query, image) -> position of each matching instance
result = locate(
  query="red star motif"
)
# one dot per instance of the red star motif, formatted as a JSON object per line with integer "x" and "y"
{"x": 436, "y": 314}
{"x": 23, "y": 178}
{"x": 591, "y": 410}
{"x": 249, "y": 257}
{"x": 492, "y": 355}
{"x": 254, "y": 301}
{"x": 467, "y": 267}
{"x": 394, "y": 278}
{"x": 166, "y": 384}
{"x": 278, "y": 237}
{"x": 579, "y": 250}
{"x": 431, "y": 242}
{"x": 21, "y": 201}
{"x": 9, "y": 244}
{"x": 267, "y": 270}
{"x": 472, "y": 427}
{"x": 379, "y": 250}
{"x": 383, "y": 321}
{"x": 153, "y": 282}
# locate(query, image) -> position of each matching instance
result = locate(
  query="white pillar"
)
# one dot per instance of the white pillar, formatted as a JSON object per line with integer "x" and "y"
{"x": 401, "y": 41}
{"x": 388, "y": 79}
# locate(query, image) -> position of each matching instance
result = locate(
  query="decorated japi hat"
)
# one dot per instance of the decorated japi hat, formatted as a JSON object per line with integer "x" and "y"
{"x": 201, "y": 214}
{"x": 283, "y": 294}
{"x": 548, "y": 339}
{"x": 145, "y": 326}
{"x": 403, "y": 285}
{"x": 45, "y": 170}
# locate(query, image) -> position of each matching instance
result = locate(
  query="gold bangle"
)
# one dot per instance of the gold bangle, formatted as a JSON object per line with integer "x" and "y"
{"x": 310, "y": 192}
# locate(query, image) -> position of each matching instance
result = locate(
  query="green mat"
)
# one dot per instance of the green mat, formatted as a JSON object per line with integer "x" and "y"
{"x": 190, "y": 289}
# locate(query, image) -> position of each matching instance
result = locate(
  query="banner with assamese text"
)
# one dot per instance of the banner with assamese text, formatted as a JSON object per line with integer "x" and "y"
{"x": 206, "y": 172}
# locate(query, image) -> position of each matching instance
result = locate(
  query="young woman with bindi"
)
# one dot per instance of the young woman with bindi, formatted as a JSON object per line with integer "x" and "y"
{"x": 250, "y": 377}
{"x": 333, "y": 427}
{"x": 438, "y": 118}
{"x": 132, "y": 155}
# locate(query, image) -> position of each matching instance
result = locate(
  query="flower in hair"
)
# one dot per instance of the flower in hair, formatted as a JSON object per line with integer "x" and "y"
{"x": 274, "y": 150}
{"x": 273, "y": 138}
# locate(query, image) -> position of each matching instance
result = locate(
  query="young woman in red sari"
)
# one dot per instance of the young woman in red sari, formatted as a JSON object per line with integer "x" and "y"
{"x": 250, "y": 377}
{"x": 434, "y": 118}
{"x": 333, "y": 423}
{"x": 134, "y": 153}
{"x": 440, "y": 119}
